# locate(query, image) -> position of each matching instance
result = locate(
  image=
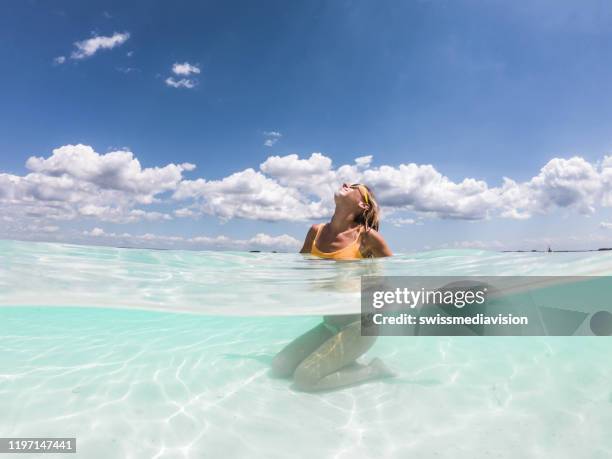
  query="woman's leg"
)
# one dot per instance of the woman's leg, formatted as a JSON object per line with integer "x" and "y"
{"x": 333, "y": 364}
{"x": 287, "y": 360}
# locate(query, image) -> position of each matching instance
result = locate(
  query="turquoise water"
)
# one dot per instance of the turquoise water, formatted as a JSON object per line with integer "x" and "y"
{"x": 143, "y": 353}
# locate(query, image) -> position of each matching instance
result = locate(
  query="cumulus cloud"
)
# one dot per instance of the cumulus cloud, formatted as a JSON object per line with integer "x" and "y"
{"x": 561, "y": 183}
{"x": 75, "y": 181}
{"x": 313, "y": 175}
{"x": 302, "y": 188}
{"x": 249, "y": 194}
{"x": 59, "y": 60}
{"x": 291, "y": 166}
{"x": 258, "y": 242}
{"x": 91, "y": 46}
{"x": 185, "y": 69}
{"x": 422, "y": 189}
{"x": 271, "y": 137}
{"x": 117, "y": 170}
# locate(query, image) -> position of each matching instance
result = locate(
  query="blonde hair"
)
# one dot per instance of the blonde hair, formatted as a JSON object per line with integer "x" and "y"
{"x": 370, "y": 218}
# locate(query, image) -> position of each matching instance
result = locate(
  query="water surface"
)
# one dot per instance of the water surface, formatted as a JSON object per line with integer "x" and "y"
{"x": 143, "y": 353}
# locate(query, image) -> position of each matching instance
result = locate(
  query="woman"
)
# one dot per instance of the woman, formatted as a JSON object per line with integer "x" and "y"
{"x": 325, "y": 357}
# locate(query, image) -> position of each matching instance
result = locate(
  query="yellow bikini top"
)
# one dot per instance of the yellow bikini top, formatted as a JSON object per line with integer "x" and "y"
{"x": 350, "y": 252}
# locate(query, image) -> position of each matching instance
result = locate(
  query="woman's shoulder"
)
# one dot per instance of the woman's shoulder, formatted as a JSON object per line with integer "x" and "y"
{"x": 315, "y": 228}
{"x": 310, "y": 237}
{"x": 374, "y": 241}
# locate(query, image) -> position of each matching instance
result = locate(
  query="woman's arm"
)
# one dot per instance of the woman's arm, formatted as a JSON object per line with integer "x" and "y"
{"x": 376, "y": 244}
{"x": 312, "y": 232}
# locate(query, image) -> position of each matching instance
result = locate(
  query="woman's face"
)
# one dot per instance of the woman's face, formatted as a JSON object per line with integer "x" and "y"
{"x": 349, "y": 197}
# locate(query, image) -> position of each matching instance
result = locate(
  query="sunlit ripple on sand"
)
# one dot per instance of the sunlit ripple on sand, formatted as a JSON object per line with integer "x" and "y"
{"x": 143, "y": 384}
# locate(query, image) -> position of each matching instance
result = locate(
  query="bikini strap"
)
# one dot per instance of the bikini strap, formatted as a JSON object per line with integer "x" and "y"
{"x": 318, "y": 231}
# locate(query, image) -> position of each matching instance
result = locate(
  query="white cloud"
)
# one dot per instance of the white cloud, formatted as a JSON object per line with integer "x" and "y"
{"x": 184, "y": 212}
{"x": 606, "y": 180}
{"x": 422, "y": 189}
{"x": 271, "y": 137}
{"x": 265, "y": 240}
{"x": 185, "y": 69}
{"x": 291, "y": 183}
{"x": 249, "y": 194}
{"x": 91, "y": 46}
{"x": 59, "y": 60}
{"x": 95, "y": 232}
{"x": 606, "y": 225}
{"x": 75, "y": 181}
{"x": 363, "y": 161}
{"x": 258, "y": 242}
{"x": 182, "y": 83}
{"x": 116, "y": 170}
{"x": 120, "y": 215}
{"x": 398, "y": 222}
{"x": 290, "y": 167}
{"x": 477, "y": 244}
{"x": 312, "y": 176}
{"x": 561, "y": 183}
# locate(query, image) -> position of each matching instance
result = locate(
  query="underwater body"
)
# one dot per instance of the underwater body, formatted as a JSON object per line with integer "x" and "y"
{"x": 165, "y": 353}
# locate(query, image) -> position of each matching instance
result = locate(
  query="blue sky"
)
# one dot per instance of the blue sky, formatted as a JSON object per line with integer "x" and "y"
{"x": 479, "y": 90}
